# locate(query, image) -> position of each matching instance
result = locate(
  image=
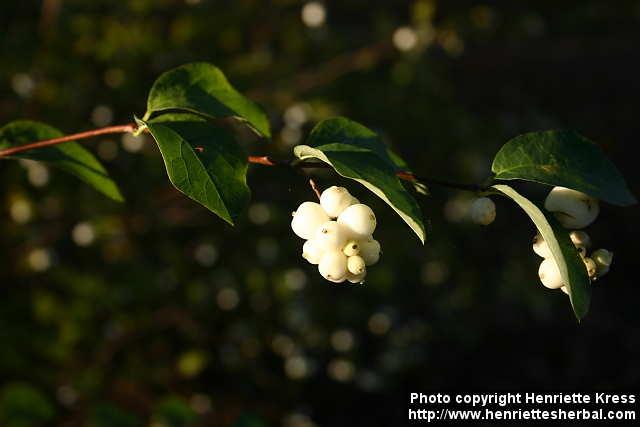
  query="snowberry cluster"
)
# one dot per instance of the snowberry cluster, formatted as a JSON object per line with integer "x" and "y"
{"x": 574, "y": 210}
{"x": 339, "y": 233}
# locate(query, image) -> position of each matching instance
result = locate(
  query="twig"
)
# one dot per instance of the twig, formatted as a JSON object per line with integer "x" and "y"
{"x": 314, "y": 187}
{"x": 338, "y": 66}
{"x": 130, "y": 127}
{"x": 259, "y": 160}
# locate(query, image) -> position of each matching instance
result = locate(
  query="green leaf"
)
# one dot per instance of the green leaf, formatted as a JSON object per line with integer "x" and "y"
{"x": 345, "y": 131}
{"x": 201, "y": 88}
{"x": 572, "y": 269}
{"x": 354, "y": 154}
{"x": 69, "y": 156}
{"x": 108, "y": 415}
{"x": 174, "y": 412}
{"x": 206, "y": 164}
{"x": 23, "y": 405}
{"x": 562, "y": 158}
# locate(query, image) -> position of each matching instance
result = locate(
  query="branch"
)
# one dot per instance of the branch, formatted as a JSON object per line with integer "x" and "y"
{"x": 259, "y": 160}
{"x": 130, "y": 127}
{"x": 327, "y": 72}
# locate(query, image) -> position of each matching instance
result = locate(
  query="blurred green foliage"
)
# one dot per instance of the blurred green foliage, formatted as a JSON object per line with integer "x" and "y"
{"x": 110, "y": 311}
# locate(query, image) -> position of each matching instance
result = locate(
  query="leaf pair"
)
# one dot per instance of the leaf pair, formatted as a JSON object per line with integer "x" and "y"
{"x": 203, "y": 161}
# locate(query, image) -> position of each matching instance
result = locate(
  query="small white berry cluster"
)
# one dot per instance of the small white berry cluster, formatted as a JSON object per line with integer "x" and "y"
{"x": 574, "y": 210}
{"x": 339, "y": 233}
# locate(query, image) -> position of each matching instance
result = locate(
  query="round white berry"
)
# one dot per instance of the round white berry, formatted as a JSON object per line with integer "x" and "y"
{"x": 334, "y": 200}
{"x": 332, "y": 236}
{"x": 370, "y": 251}
{"x": 572, "y": 208}
{"x": 483, "y": 211}
{"x": 351, "y": 248}
{"x": 591, "y": 267}
{"x": 603, "y": 259}
{"x": 355, "y": 264}
{"x": 312, "y": 252}
{"x": 540, "y": 247}
{"x": 307, "y": 219}
{"x": 581, "y": 241}
{"x": 580, "y": 238}
{"x": 550, "y": 274}
{"x": 356, "y": 278}
{"x": 359, "y": 218}
{"x": 333, "y": 266}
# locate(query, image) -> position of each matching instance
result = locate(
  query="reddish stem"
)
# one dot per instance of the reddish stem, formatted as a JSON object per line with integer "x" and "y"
{"x": 262, "y": 160}
{"x": 130, "y": 127}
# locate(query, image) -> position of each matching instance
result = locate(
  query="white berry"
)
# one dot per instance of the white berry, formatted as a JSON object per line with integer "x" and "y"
{"x": 312, "y": 252}
{"x": 483, "y": 211}
{"x": 356, "y": 278}
{"x": 572, "y": 208}
{"x": 540, "y": 246}
{"x": 307, "y": 219}
{"x": 581, "y": 241}
{"x": 591, "y": 267}
{"x": 359, "y": 218}
{"x": 603, "y": 259}
{"x": 351, "y": 248}
{"x": 355, "y": 264}
{"x": 580, "y": 238}
{"x": 332, "y": 236}
{"x": 550, "y": 274}
{"x": 333, "y": 266}
{"x": 370, "y": 251}
{"x": 334, "y": 200}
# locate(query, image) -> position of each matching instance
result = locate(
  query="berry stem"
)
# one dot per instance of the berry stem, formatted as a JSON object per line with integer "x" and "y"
{"x": 314, "y": 187}
{"x": 259, "y": 160}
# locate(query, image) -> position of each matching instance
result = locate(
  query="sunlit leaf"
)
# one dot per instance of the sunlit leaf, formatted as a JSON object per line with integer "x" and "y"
{"x": 565, "y": 254}
{"x": 352, "y": 150}
{"x": 202, "y": 88}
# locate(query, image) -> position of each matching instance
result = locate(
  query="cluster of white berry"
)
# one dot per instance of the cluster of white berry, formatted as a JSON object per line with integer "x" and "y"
{"x": 339, "y": 233}
{"x": 574, "y": 210}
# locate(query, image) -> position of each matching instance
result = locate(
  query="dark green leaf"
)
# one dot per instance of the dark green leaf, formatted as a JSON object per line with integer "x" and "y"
{"x": 572, "y": 269}
{"x": 365, "y": 167}
{"x": 109, "y": 415}
{"x": 202, "y": 88}
{"x": 23, "y": 405}
{"x": 566, "y": 159}
{"x": 344, "y": 131}
{"x": 70, "y": 156}
{"x": 206, "y": 164}
{"x": 174, "y": 412}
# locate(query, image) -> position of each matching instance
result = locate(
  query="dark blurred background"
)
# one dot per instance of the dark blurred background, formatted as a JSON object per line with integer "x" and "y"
{"x": 155, "y": 312}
